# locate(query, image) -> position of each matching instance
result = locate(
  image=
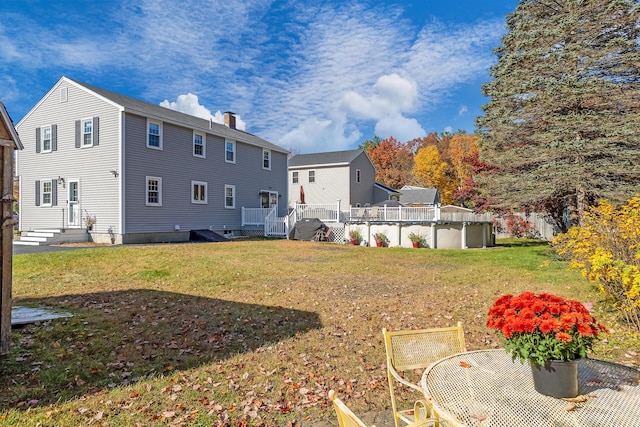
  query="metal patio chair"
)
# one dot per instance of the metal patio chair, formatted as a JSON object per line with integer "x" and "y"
{"x": 346, "y": 418}
{"x": 411, "y": 350}
{"x": 323, "y": 235}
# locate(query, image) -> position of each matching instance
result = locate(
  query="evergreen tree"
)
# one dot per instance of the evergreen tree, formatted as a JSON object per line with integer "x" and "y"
{"x": 562, "y": 127}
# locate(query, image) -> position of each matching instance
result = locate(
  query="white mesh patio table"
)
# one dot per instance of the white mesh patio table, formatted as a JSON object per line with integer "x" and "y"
{"x": 495, "y": 391}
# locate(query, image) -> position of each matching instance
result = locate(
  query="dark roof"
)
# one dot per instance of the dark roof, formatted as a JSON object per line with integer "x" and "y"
{"x": 327, "y": 158}
{"x": 389, "y": 203}
{"x": 385, "y": 188}
{"x": 419, "y": 195}
{"x": 147, "y": 109}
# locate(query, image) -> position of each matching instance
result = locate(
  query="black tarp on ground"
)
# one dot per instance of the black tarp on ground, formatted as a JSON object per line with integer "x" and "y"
{"x": 206, "y": 236}
{"x": 306, "y": 229}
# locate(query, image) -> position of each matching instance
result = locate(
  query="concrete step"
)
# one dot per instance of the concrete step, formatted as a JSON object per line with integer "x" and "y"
{"x": 31, "y": 238}
{"x": 25, "y": 243}
{"x": 44, "y": 234}
{"x": 47, "y": 230}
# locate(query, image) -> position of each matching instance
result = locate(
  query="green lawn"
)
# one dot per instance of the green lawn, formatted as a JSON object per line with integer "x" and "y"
{"x": 253, "y": 332}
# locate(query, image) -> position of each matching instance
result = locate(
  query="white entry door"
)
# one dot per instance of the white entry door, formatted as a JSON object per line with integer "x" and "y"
{"x": 74, "y": 214}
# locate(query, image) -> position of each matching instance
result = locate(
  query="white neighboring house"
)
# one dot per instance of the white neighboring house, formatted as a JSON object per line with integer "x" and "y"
{"x": 137, "y": 172}
{"x": 324, "y": 178}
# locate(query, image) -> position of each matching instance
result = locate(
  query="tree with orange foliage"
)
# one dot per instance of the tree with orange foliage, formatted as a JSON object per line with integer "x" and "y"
{"x": 393, "y": 161}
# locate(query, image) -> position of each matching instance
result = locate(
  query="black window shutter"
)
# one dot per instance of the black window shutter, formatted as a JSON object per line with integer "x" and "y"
{"x": 54, "y": 137}
{"x": 37, "y": 193}
{"x": 54, "y": 192}
{"x": 96, "y": 130}
{"x": 38, "y": 140}
{"x": 78, "y": 134}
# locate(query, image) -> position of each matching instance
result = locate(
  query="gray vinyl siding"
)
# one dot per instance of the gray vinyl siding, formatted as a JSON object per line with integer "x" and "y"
{"x": 90, "y": 166}
{"x": 177, "y": 167}
{"x": 362, "y": 192}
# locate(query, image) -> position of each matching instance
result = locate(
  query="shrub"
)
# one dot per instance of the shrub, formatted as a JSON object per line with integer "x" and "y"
{"x": 606, "y": 247}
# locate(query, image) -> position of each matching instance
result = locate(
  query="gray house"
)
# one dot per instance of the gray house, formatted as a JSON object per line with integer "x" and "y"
{"x": 131, "y": 171}
{"x": 324, "y": 178}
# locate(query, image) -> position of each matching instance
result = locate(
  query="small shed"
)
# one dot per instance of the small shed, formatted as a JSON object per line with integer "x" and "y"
{"x": 9, "y": 142}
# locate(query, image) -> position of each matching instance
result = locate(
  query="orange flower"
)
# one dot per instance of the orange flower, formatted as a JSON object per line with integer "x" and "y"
{"x": 564, "y": 337}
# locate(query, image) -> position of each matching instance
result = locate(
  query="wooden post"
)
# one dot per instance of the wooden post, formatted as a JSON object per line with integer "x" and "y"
{"x": 6, "y": 243}
{"x": 9, "y": 142}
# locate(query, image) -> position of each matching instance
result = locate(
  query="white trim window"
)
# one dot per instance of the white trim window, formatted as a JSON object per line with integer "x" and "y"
{"x": 199, "y": 145}
{"x": 358, "y": 175}
{"x": 153, "y": 191}
{"x": 230, "y": 196}
{"x": 199, "y": 192}
{"x": 154, "y": 134}
{"x": 46, "y": 139}
{"x": 47, "y": 193}
{"x": 312, "y": 177}
{"x": 266, "y": 159}
{"x": 230, "y": 151}
{"x": 86, "y": 128}
{"x": 295, "y": 177}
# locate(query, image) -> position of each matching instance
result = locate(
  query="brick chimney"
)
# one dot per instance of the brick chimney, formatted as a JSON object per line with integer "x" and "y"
{"x": 230, "y": 119}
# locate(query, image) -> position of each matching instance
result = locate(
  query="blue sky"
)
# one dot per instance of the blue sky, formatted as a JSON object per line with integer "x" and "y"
{"x": 308, "y": 75}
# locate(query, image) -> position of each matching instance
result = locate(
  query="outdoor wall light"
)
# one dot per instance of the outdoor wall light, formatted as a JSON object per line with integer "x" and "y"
{"x": 61, "y": 179}
{"x": 114, "y": 173}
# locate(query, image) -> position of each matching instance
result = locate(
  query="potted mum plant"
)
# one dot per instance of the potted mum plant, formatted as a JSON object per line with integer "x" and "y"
{"x": 355, "y": 236}
{"x": 548, "y": 331}
{"x": 380, "y": 238}
{"x": 416, "y": 239}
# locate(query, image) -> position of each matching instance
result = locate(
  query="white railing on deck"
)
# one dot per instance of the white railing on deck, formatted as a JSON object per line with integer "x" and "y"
{"x": 255, "y": 216}
{"x": 328, "y": 212}
{"x": 274, "y": 225}
{"x": 401, "y": 213}
{"x": 414, "y": 214}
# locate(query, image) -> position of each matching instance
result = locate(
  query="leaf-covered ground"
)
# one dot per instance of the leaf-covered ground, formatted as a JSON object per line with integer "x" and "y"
{"x": 251, "y": 332}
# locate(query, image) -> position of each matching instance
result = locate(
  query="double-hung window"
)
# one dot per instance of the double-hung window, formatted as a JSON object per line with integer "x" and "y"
{"x": 295, "y": 178}
{"x": 46, "y": 139}
{"x": 199, "y": 148}
{"x": 199, "y": 192}
{"x": 230, "y": 152}
{"x": 47, "y": 193}
{"x": 87, "y": 132}
{"x": 266, "y": 159}
{"x": 153, "y": 191}
{"x": 230, "y": 196}
{"x": 312, "y": 176}
{"x": 154, "y": 135}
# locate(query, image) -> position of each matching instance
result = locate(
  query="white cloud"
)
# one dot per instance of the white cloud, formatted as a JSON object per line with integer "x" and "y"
{"x": 189, "y": 104}
{"x": 400, "y": 127}
{"x": 315, "y": 135}
{"x": 393, "y": 96}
